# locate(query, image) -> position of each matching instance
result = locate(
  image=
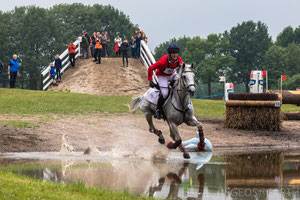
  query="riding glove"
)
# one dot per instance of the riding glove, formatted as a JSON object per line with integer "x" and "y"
{"x": 151, "y": 84}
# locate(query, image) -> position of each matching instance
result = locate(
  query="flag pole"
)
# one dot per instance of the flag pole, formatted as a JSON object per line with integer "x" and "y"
{"x": 281, "y": 86}
{"x": 267, "y": 81}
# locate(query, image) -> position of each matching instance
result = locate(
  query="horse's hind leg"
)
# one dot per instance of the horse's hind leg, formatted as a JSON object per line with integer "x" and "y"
{"x": 152, "y": 129}
{"x": 177, "y": 140}
{"x": 195, "y": 122}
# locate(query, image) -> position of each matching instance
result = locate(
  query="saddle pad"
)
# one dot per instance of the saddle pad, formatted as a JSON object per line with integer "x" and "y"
{"x": 152, "y": 95}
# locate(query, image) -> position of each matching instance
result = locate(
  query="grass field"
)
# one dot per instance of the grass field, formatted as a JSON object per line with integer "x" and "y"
{"x": 49, "y": 102}
{"x": 20, "y": 187}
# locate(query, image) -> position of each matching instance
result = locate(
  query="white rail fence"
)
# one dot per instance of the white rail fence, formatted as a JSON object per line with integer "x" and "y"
{"x": 45, "y": 79}
{"x": 147, "y": 58}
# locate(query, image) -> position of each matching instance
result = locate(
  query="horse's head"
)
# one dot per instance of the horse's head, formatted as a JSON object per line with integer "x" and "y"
{"x": 188, "y": 78}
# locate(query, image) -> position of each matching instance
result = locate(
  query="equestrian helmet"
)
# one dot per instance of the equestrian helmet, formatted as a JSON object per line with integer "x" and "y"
{"x": 173, "y": 48}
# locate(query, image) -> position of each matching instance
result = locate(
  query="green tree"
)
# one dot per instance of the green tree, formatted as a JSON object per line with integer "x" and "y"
{"x": 275, "y": 62}
{"x": 161, "y": 49}
{"x": 248, "y": 43}
{"x": 286, "y": 37}
{"x": 37, "y": 34}
{"x": 292, "y": 83}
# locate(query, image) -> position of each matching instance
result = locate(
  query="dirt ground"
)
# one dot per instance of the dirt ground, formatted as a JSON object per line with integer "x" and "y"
{"x": 127, "y": 135}
{"x": 89, "y": 77}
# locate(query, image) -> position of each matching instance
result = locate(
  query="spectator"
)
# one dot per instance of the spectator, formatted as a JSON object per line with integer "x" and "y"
{"x": 93, "y": 42}
{"x": 104, "y": 43}
{"x": 98, "y": 48}
{"x": 118, "y": 42}
{"x": 84, "y": 44}
{"x": 123, "y": 50}
{"x": 1, "y": 69}
{"x": 52, "y": 73}
{"x": 13, "y": 70}
{"x": 58, "y": 66}
{"x": 132, "y": 44}
{"x": 145, "y": 38}
{"x": 89, "y": 41}
{"x": 72, "y": 53}
{"x": 137, "y": 31}
{"x": 138, "y": 39}
{"x": 107, "y": 41}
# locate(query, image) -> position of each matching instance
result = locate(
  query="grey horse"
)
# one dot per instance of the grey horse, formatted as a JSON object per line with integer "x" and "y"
{"x": 177, "y": 109}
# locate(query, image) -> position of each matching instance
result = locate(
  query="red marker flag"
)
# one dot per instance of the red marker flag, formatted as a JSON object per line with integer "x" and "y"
{"x": 264, "y": 73}
{"x": 283, "y": 77}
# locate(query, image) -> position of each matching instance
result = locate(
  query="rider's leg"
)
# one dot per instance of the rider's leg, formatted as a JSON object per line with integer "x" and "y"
{"x": 163, "y": 84}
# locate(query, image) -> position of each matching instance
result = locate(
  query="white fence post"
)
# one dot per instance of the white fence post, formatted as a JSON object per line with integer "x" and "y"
{"x": 147, "y": 57}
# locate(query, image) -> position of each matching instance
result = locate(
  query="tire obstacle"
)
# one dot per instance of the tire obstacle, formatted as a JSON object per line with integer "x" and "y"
{"x": 253, "y": 112}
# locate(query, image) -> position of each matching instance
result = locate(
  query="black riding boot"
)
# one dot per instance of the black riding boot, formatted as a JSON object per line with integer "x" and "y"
{"x": 159, "y": 109}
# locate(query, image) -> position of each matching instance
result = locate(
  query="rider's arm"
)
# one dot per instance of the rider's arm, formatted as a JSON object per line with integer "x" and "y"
{"x": 151, "y": 68}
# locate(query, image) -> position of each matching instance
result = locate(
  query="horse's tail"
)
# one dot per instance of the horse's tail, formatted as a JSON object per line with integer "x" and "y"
{"x": 135, "y": 104}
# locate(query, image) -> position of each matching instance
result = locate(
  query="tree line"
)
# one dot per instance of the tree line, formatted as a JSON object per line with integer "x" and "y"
{"x": 235, "y": 53}
{"x": 36, "y": 34}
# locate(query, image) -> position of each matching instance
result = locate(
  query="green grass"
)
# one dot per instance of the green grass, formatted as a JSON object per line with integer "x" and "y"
{"x": 49, "y": 102}
{"x": 45, "y": 102}
{"x": 290, "y": 108}
{"x": 18, "y": 124}
{"x": 20, "y": 187}
{"x": 209, "y": 108}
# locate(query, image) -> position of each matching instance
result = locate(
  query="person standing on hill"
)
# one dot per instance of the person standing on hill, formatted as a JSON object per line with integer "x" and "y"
{"x": 1, "y": 69}
{"x": 98, "y": 48}
{"x": 131, "y": 44}
{"x": 86, "y": 35}
{"x": 93, "y": 43}
{"x": 104, "y": 43}
{"x": 84, "y": 44}
{"x": 124, "y": 49}
{"x": 58, "y": 66}
{"x": 138, "y": 39}
{"x": 107, "y": 41}
{"x": 52, "y": 73}
{"x": 13, "y": 70}
{"x": 165, "y": 71}
{"x": 118, "y": 42}
{"x": 72, "y": 53}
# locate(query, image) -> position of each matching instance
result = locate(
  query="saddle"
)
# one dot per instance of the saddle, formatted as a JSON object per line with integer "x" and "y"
{"x": 153, "y": 94}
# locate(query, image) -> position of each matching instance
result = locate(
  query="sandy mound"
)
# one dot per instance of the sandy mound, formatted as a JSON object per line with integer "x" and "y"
{"x": 108, "y": 78}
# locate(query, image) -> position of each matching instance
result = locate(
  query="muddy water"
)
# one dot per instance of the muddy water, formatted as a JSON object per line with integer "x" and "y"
{"x": 254, "y": 176}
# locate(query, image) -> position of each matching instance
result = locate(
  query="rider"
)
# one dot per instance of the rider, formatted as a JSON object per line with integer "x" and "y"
{"x": 165, "y": 71}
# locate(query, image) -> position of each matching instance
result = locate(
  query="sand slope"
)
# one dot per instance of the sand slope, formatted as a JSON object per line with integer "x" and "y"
{"x": 108, "y": 78}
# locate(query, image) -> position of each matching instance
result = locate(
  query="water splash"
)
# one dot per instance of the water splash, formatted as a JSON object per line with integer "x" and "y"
{"x": 92, "y": 149}
{"x": 65, "y": 147}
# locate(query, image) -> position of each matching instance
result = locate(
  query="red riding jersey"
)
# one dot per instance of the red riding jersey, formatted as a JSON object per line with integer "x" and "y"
{"x": 164, "y": 67}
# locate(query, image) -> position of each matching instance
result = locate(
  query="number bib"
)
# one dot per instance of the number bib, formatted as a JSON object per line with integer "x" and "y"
{"x": 169, "y": 70}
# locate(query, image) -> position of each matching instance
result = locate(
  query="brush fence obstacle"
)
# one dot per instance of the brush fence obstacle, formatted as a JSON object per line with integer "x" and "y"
{"x": 248, "y": 114}
{"x": 45, "y": 79}
{"x": 147, "y": 58}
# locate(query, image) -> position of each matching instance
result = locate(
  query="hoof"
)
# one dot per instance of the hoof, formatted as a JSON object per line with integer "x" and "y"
{"x": 186, "y": 155}
{"x": 201, "y": 146}
{"x": 161, "y": 140}
{"x": 170, "y": 145}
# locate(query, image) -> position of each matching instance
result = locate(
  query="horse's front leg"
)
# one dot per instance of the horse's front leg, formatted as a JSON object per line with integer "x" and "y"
{"x": 152, "y": 129}
{"x": 194, "y": 122}
{"x": 177, "y": 140}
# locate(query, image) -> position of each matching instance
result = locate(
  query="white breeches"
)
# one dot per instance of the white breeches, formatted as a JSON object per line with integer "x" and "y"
{"x": 163, "y": 82}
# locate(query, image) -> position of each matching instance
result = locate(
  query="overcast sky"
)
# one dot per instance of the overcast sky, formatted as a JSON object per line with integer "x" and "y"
{"x": 164, "y": 19}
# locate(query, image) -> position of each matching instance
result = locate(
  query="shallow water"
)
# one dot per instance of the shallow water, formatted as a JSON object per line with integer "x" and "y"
{"x": 254, "y": 176}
